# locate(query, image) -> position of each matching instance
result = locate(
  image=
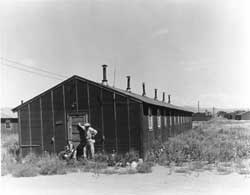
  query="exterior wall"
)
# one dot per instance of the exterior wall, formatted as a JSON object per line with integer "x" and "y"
{"x": 25, "y": 140}
{"x": 245, "y": 116}
{"x": 43, "y": 121}
{"x": 59, "y": 119}
{"x": 123, "y": 127}
{"x": 47, "y": 123}
{"x": 176, "y": 122}
{"x": 35, "y": 126}
{"x": 121, "y": 121}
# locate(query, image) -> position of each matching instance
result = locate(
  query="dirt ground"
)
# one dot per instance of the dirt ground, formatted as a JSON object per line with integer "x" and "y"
{"x": 160, "y": 181}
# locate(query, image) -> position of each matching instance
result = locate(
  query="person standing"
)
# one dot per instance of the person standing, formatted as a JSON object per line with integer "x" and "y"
{"x": 90, "y": 133}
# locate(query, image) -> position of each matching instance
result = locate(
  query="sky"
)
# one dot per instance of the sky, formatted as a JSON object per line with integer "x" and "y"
{"x": 194, "y": 50}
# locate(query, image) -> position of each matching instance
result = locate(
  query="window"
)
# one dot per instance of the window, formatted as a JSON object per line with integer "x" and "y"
{"x": 159, "y": 121}
{"x": 7, "y": 124}
{"x": 165, "y": 121}
{"x": 158, "y": 118}
{"x": 150, "y": 120}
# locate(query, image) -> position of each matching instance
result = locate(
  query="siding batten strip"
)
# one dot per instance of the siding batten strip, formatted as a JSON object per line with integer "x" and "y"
{"x": 41, "y": 120}
{"x": 53, "y": 121}
{"x": 20, "y": 131}
{"x": 142, "y": 133}
{"x": 30, "y": 127}
{"x": 102, "y": 119}
{"x": 77, "y": 107}
{"x": 115, "y": 120}
{"x": 65, "y": 116}
{"x": 89, "y": 117}
{"x": 129, "y": 139}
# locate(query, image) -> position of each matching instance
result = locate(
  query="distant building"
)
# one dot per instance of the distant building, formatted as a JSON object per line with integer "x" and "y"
{"x": 221, "y": 114}
{"x": 243, "y": 116}
{"x": 234, "y": 115}
{"x": 9, "y": 125}
{"x": 201, "y": 116}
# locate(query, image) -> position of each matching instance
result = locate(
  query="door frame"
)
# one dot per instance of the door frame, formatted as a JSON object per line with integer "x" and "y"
{"x": 70, "y": 114}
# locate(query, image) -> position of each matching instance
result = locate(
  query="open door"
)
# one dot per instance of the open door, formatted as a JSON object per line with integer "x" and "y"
{"x": 74, "y": 134}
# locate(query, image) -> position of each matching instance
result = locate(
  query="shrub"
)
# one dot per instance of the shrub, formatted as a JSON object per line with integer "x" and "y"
{"x": 25, "y": 170}
{"x": 224, "y": 170}
{"x": 101, "y": 157}
{"x": 8, "y": 164}
{"x": 182, "y": 170}
{"x": 93, "y": 166}
{"x": 9, "y": 140}
{"x": 145, "y": 167}
{"x": 211, "y": 141}
{"x": 244, "y": 171}
{"x": 131, "y": 156}
{"x": 51, "y": 165}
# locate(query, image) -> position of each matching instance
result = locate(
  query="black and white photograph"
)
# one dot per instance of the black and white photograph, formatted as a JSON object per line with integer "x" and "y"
{"x": 130, "y": 97}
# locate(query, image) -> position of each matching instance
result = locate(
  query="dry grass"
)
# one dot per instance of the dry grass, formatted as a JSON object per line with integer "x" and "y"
{"x": 216, "y": 145}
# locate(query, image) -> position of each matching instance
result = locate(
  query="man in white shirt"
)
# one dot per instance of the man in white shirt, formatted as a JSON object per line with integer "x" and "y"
{"x": 90, "y": 134}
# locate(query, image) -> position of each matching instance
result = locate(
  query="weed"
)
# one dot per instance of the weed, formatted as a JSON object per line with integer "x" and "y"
{"x": 145, "y": 167}
{"x": 25, "y": 170}
{"x": 224, "y": 170}
{"x": 182, "y": 170}
{"x": 51, "y": 165}
{"x": 244, "y": 171}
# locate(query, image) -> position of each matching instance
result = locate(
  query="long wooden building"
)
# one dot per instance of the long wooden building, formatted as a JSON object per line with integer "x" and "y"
{"x": 124, "y": 120}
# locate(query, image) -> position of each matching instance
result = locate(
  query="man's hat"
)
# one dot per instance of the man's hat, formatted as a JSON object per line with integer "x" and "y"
{"x": 86, "y": 124}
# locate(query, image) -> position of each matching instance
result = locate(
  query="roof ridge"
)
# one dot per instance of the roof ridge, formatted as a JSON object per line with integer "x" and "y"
{"x": 139, "y": 97}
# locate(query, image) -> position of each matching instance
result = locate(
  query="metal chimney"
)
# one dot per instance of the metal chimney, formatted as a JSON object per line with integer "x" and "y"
{"x": 163, "y": 96}
{"x": 155, "y": 94}
{"x": 143, "y": 89}
{"x": 128, "y": 84}
{"x": 169, "y": 100}
{"x": 104, "y": 80}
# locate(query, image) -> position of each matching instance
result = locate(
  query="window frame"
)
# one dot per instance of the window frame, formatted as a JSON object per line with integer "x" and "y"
{"x": 7, "y": 124}
{"x": 150, "y": 120}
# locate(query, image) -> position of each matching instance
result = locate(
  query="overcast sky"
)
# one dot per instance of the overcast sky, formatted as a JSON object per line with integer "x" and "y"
{"x": 191, "y": 49}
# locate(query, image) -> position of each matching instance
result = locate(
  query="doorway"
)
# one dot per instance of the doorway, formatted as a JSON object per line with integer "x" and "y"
{"x": 74, "y": 133}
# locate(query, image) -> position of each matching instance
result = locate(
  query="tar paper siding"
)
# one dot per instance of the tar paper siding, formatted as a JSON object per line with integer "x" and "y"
{"x": 43, "y": 121}
{"x": 121, "y": 121}
{"x": 176, "y": 122}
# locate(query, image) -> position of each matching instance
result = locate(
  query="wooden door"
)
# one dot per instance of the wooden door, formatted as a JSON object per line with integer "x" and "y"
{"x": 74, "y": 133}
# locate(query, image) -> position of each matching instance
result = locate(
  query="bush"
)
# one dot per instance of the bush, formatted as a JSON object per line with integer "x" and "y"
{"x": 131, "y": 156}
{"x": 93, "y": 166}
{"x": 8, "y": 164}
{"x": 101, "y": 157}
{"x": 145, "y": 167}
{"x": 9, "y": 140}
{"x": 51, "y": 165}
{"x": 25, "y": 170}
{"x": 212, "y": 141}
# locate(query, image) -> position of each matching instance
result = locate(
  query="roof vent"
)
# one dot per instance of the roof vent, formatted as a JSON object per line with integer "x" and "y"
{"x": 143, "y": 89}
{"x": 104, "y": 70}
{"x": 169, "y": 99}
{"x": 128, "y": 84}
{"x": 163, "y": 96}
{"x": 155, "y": 94}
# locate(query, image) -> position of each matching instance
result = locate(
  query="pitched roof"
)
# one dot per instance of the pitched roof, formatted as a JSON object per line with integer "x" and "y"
{"x": 243, "y": 112}
{"x": 135, "y": 96}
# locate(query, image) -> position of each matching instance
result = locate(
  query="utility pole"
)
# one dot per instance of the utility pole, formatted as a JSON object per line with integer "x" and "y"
{"x": 198, "y": 106}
